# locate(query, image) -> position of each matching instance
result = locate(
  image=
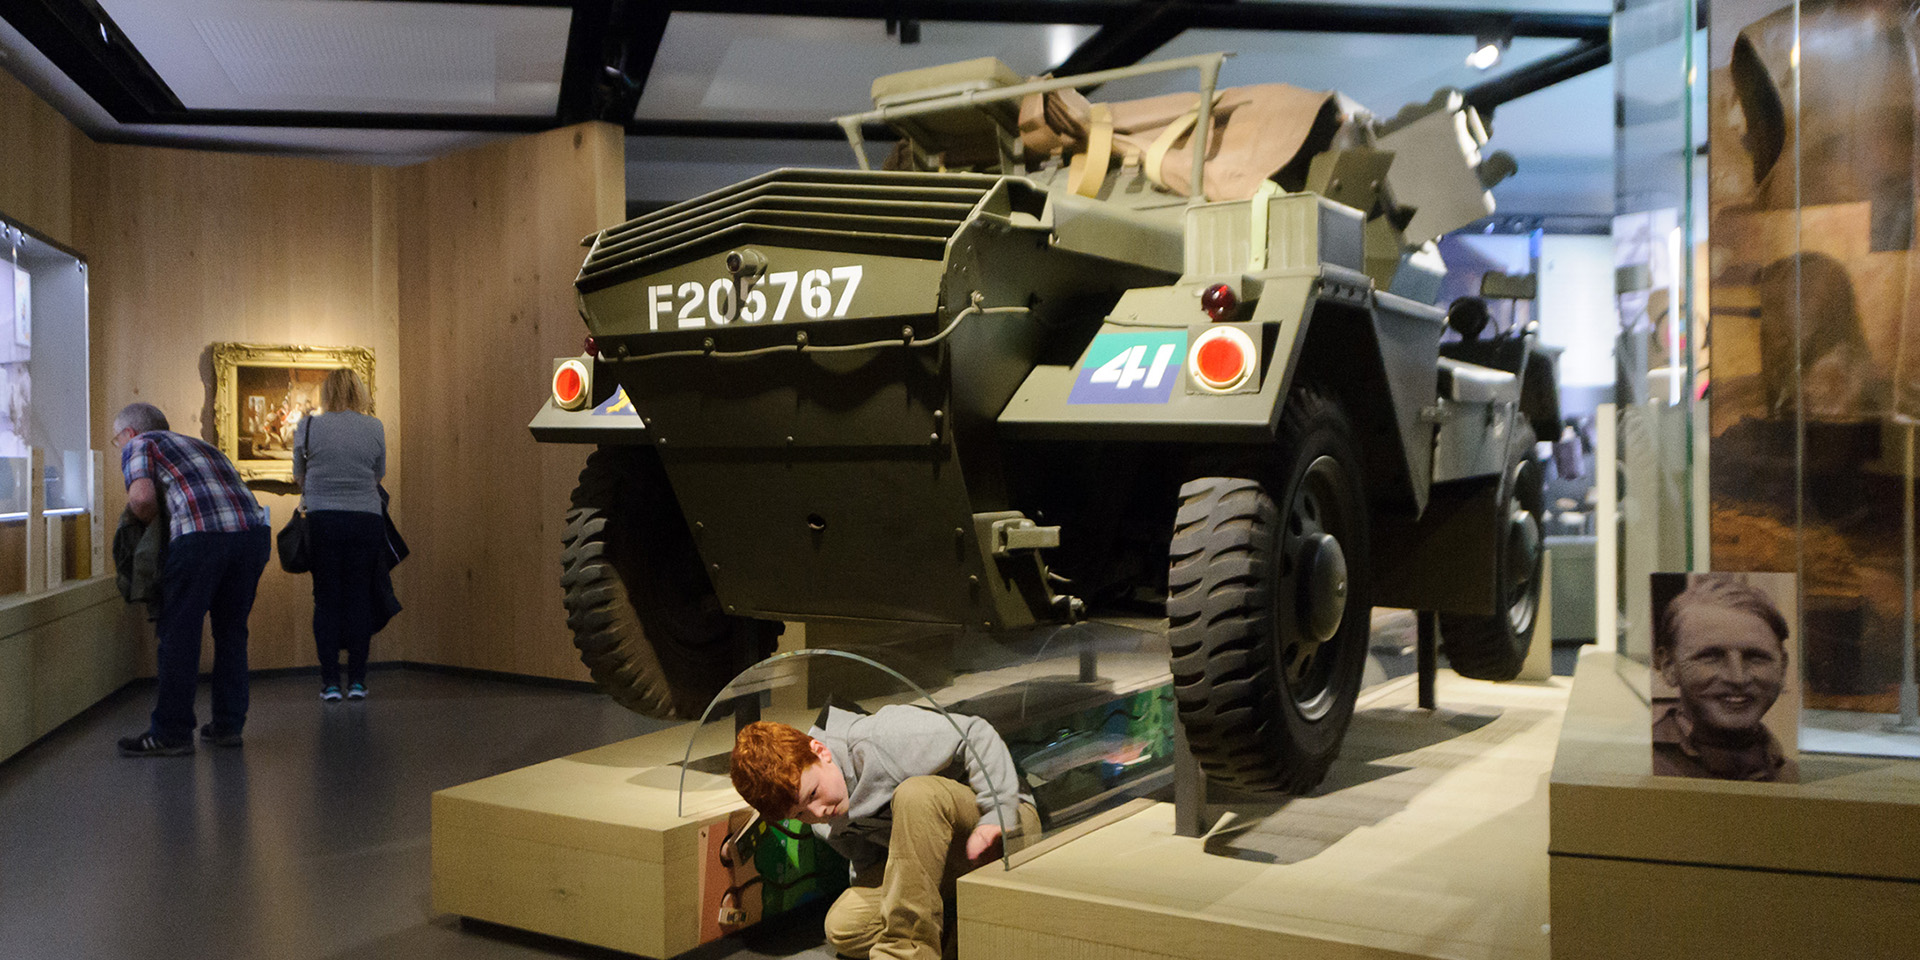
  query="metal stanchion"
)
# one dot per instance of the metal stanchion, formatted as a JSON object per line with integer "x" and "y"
{"x": 1909, "y": 719}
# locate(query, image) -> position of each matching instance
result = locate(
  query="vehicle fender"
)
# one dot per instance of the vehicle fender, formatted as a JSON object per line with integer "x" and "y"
{"x": 613, "y": 420}
{"x": 1378, "y": 354}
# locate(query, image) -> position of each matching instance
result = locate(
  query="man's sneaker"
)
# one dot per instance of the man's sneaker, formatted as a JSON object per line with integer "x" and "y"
{"x": 148, "y": 745}
{"x": 357, "y": 691}
{"x": 330, "y": 694}
{"x": 217, "y": 738}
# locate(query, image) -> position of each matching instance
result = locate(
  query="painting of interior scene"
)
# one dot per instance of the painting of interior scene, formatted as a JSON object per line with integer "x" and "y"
{"x": 272, "y": 402}
{"x": 1815, "y": 295}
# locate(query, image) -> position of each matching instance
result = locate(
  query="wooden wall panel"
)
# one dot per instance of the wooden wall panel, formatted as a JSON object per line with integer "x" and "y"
{"x": 36, "y": 186}
{"x": 188, "y": 248}
{"x": 489, "y": 246}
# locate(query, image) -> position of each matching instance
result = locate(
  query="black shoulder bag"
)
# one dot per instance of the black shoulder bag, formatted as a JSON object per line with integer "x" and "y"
{"x": 294, "y": 542}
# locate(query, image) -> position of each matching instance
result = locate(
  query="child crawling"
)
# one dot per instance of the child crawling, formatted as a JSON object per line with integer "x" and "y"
{"x": 908, "y": 800}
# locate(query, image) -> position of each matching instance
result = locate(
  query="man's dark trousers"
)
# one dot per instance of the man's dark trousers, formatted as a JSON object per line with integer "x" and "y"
{"x": 206, "y": 573}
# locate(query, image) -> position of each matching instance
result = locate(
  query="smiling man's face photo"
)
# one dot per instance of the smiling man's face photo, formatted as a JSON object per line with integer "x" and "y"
{"x": 1721, "y": 647}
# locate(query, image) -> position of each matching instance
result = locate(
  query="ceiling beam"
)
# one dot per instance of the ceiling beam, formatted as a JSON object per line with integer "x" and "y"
{"x": 90, "y": 49}
{"x": 1315, "y": 17}
{"x": 756, "y": 130}
{"x": 340, "y": 120}
{"x": 1125, "y": 44}
{"x": 584, "y": 74}
{"x": 640, "y": 25}
{"x": 479, "y": 3}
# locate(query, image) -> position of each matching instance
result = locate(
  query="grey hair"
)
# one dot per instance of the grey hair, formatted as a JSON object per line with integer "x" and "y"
{"x": 1716, "y": 590}
{"x": 140, "y": 417}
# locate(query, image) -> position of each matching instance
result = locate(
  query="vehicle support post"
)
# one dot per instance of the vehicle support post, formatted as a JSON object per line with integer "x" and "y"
{"x": 1428, "y": 656}
{"x": 1189, "y": 788}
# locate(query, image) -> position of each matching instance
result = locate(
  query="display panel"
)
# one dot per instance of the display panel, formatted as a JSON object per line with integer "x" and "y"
{"x": 1815, "y": 335}
{"x": 16, "y": 350}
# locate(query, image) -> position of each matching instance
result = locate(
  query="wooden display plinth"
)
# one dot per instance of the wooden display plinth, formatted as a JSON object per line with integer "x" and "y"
{"x": 1428, "y": 840}
{"x": 1658, "y": 867}
{"x": 590, "y": 847}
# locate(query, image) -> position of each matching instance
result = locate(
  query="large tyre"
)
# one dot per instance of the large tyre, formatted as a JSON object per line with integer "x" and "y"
{"x": 1268, "y": 603}
{"x": 1494, "y": 647}
{"x": 642, "y": 609}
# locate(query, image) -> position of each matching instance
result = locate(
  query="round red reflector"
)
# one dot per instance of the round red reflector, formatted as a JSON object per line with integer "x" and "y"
{"x": 570, "y": 384}
{"x": 1220, "y": 361}
{"x": 1219, "y": 301}
{"x": 567, "y": 385}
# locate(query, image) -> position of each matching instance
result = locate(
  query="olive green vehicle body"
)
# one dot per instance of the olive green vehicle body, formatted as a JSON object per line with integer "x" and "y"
{"x": 906, "y": 429}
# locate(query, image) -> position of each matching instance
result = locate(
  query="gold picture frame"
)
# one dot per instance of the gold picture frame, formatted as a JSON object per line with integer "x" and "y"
{"x": 260, "y": 393}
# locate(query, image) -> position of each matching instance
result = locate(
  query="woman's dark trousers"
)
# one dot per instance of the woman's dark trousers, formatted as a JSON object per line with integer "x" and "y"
{"x": 346, "y": 557}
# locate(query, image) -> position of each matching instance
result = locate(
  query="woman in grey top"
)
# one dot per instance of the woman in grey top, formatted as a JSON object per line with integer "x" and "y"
{"x": 339, "y": 457}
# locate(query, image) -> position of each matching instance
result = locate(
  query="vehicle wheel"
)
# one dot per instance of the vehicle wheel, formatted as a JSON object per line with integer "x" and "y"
{"x": 1494, "y": 647}
{"x": 1268, "y": 603}
{"x": 642, "y": 610}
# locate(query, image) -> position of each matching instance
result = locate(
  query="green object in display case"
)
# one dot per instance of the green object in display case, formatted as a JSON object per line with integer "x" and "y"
{"x": 795, "y": 867}
{"x": 1073, "y": 762}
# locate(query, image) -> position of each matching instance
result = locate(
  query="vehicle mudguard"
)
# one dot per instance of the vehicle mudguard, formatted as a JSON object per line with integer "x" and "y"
{"x": 1376, "y": 352}
{"x": 612, "y": 420}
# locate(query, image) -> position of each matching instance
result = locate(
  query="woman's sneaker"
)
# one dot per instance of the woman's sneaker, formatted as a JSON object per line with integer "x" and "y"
{"x": 357, "y": 691}
{"x": 330, "y": 694}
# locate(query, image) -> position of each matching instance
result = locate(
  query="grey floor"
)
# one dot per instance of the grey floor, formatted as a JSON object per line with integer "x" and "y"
{"x": 311, "y": 841}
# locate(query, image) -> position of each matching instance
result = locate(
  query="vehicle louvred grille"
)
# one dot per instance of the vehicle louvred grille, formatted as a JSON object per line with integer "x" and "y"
{"x": 896, "y": 214}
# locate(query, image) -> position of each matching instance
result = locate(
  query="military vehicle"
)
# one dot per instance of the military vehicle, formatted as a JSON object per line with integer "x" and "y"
{"x": 1000, "y": 388}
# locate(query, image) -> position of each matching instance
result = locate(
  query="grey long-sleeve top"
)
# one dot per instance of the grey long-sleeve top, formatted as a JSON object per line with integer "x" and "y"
{"x": 878, "y": 752}
{"x": 342, "y": 468}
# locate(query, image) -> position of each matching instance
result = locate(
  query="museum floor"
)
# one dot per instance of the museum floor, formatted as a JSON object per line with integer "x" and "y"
{"x": 309, "y": 842}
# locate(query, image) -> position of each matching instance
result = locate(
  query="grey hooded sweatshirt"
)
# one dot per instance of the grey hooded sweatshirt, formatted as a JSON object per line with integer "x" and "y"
{"x": 878, "y": 752}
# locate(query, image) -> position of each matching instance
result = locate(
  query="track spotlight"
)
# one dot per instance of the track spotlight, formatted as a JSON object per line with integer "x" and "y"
{"x": 1487, "y": 51}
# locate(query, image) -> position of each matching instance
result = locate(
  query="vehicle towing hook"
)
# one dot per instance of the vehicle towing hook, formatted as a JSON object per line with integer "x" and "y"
{"x": 1070, "y": 609}
{"x": 1020, "y": 533}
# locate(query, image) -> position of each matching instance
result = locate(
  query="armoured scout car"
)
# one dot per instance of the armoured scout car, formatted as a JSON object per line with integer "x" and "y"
{"x": 1004, "y": 386}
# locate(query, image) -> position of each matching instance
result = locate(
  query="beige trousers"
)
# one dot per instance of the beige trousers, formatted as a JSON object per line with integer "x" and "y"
{"x": 893, "y": 910}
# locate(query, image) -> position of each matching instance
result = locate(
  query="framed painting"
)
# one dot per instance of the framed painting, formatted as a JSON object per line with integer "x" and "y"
{"x": 260, "y": 394}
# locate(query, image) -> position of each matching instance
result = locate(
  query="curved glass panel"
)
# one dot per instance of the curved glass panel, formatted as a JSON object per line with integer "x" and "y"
{"x": 1085, "y": 711}
{"x": 743, "y": 694}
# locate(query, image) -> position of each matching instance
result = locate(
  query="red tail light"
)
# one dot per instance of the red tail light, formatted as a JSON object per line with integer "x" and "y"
{"x": 571, "y": 385}
{"x": 1221, "y": 359}
{"x": 1219, "y": 301}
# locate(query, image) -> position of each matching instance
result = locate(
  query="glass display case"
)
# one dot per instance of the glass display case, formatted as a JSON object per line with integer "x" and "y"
{"x": 48, "y": 476}
{"x": 1815, "y": 324}
{"x": 1086, "y": 712}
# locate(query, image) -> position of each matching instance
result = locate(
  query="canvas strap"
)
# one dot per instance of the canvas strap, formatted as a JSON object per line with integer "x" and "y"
{"x": 1086, "y": 173}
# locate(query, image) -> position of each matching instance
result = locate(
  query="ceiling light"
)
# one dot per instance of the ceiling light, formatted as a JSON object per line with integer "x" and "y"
{"x": 1487, "y": 51}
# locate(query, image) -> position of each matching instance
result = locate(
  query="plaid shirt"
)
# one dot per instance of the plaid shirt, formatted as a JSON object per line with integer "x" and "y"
{"x": 203, "y": 492}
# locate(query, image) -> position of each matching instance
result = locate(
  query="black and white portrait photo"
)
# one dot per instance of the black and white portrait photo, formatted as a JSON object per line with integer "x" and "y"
{"x": 1725, "y": 694}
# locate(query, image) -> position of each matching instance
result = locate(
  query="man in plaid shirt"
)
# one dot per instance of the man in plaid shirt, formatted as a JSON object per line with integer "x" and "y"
{"x": 216, "y": 549}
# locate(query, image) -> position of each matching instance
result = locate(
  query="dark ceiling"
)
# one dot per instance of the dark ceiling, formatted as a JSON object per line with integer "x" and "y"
{"x": 611, "y": 46}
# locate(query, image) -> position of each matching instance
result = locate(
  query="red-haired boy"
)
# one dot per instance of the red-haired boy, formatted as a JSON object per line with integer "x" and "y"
{"x": 910, "y": 801}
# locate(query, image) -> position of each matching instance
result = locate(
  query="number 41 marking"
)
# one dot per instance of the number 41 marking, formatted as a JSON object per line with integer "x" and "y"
{"x": 1126, "y": 369}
